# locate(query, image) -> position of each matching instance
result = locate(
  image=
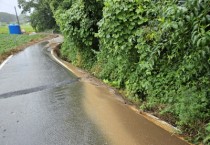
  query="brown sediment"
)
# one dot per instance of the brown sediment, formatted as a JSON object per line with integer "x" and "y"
{"x": 126, "y": 127}
{"x": 105, "y": 89}
{"x": 22, "y": 47}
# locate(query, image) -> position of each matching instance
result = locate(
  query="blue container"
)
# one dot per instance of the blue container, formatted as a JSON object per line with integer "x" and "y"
{"x": 14, "y": 29}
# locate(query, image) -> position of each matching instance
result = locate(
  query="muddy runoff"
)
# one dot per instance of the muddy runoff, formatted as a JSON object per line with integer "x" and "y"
{"x": 119, "y": 124}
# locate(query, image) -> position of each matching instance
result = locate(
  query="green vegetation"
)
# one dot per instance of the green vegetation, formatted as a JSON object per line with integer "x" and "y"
{"x": 158, "y": 52}
{"x": 79, "y": 25}
{"x": 4, "y": 30}
{"x": 42, "y": 17}
{"x": 28, "y": 29}
{"x": 9, "y": 42}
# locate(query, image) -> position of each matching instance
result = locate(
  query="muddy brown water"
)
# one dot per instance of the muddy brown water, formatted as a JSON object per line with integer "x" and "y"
{"x": 41, "y": 103}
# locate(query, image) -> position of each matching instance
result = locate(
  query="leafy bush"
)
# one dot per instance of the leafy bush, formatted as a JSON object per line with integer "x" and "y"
{"x": 41, "y": 17}
{"x": 79, "y": 24}
{"x": 157, "y": 51}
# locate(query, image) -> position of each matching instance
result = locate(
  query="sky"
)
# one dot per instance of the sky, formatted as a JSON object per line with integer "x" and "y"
{"x": 8, "y": 6}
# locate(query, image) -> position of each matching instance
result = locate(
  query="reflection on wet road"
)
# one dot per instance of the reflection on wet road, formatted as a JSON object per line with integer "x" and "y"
{"x": 41, "y": 103}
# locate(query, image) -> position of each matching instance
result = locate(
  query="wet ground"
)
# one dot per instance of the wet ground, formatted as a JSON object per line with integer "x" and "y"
{"x": 41, "y": 103}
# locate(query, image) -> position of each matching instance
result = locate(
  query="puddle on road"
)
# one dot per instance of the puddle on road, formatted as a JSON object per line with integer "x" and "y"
{"x": 121, "y": 125}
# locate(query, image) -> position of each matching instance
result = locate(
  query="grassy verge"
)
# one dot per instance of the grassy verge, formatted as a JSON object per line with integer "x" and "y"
{"x": 10, "y": 44}
{"x": 4, "y": 30}
{"x": 26, "y": 27}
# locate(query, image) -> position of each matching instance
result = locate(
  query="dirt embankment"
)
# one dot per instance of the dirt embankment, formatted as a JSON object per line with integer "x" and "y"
{"x": 22, "y": 47}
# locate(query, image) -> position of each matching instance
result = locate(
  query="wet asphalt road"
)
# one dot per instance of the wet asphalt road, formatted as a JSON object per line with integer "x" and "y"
{"x": 41, "y": 103}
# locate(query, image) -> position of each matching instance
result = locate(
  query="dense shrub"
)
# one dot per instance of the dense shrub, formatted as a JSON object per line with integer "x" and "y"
{"x": 157, "y": 51}
{"x": 78, "y": 23}
{"x": 124, "y": 49}
{"x": 41, "y": 14}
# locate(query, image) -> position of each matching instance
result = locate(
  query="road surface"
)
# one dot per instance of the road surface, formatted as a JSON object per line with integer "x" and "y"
{"x": 41, "y": 103}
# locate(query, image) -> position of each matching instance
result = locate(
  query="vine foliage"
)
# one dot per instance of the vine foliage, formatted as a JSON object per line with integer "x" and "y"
{"x": 158, "y": 52}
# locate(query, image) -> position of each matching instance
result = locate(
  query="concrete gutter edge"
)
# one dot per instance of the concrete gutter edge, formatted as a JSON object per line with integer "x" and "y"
{"x": 5, "y": 61}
